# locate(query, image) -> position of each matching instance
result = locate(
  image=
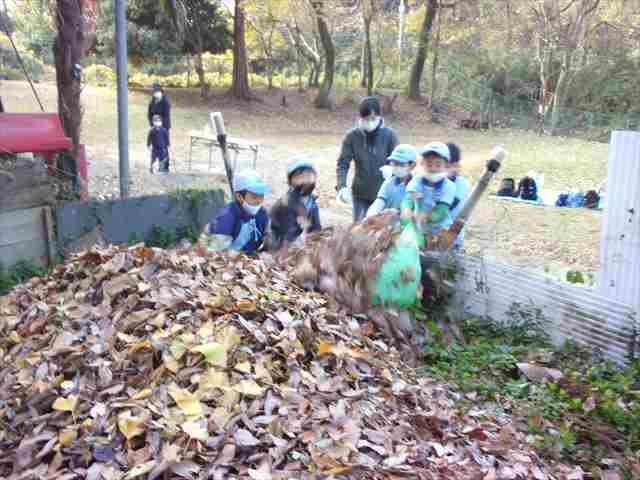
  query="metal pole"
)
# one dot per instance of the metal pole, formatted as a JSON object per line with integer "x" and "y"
{"x": 123, "y": 107}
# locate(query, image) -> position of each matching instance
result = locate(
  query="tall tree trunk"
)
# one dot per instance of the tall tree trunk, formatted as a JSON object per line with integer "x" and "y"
{"x": 324, "y": 99}
{"x": 240, "y": 83}
{"x": 560, "y": 94}
{"x": 436, "y": 51}
{"x": 204, "y": 86}
{"x": 401, "y": 25}
{"x": 68, "y": 51}
{"x": 367, "y": 36}
{"x": 421, "y": 55}
{"x": 363, "y": 66}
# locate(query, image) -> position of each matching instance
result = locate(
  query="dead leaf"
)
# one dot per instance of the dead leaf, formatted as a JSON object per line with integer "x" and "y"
{"x": 244, "y": 438}
{"x": 67, "y": 404}
{"x": 129, "y": 425}
{"x": 539, "y": 374}
{"x": 187, "y": 401}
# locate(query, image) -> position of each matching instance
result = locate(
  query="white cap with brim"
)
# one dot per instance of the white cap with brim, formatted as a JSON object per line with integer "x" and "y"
{"x": 250, "y": 181}
{"x": 298, "y": 163}
{"x": 437, "y": 148}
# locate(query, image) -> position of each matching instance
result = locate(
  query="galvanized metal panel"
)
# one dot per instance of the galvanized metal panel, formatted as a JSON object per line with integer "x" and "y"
{"x": 500, "y": 292}
{"x": 619, "y": 276}
{"x": 23, "y": 236}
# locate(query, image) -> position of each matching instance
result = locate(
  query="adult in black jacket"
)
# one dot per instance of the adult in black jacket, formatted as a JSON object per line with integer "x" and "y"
{"x": 160, "y": 105}
{"x": 368, "y": 145}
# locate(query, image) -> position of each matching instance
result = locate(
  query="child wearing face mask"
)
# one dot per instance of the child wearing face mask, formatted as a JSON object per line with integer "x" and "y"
{"x": 158, "y": 145}
{"x": 297, "y": 212}
{"x": 463, "y": 188}
{"x": 430, "y": 193}
{"x": 159, "y": 105}
{"x": 242, "y": 224}
{"x": 392, "y": 192}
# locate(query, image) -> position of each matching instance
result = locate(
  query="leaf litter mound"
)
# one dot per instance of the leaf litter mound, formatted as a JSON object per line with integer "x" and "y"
{"x": 131, "y": 362}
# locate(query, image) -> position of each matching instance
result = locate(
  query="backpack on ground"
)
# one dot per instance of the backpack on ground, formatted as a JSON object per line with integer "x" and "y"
{"x": 576, "y": 199}
{"x": 527, "y": 189}
{"x": 507, "y": 188}
{"x": 591, "y": 199}
{"x": 562, "y": 200}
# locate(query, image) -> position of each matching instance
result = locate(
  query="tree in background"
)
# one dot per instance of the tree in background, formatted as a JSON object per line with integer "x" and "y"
{"x": 423, "y": 45}
{"x": 68, "y": 53}
{"x": 325, "y": 95}
{"x": 265, "y": 31}
{"x": 240, "y": 83}
{"x": 369, "y": 10}
{"x": 562, "y": 31}
{"x": 199, "y": 26}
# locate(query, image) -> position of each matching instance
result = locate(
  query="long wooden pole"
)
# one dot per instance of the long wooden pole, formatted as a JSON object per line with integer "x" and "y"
{"x": 222, "y": 140}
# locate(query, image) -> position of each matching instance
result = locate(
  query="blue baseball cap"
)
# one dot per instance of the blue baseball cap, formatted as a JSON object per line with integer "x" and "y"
{"x": 437, "y": 148}
{"x": 403, "y": 153}
{"x": 298, "y": 163}
{"x": 250, "y": 181}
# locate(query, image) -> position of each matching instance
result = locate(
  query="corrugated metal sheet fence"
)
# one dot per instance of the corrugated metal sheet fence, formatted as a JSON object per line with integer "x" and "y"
{"x": 502, "y": 292}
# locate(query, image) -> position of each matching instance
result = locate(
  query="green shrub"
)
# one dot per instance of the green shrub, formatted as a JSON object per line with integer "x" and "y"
{"x": 19, "y": 273}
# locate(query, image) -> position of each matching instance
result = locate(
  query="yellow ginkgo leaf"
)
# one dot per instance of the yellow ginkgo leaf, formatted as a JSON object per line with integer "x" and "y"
{"x": 244, "y": 367}
{"x": 214, "y": 379}
{"x": 206, "y": 330}
{"x": 187, "y": 401}
{"x": 195, "y": 430}
{"x": 177, "y": 349}
{"x": 171, "y": 364}
{"x": 142, "y": 394}
{"x": 229, "y": 337}
{"x": 214, "y": 353}
{"x": 230, "y": 398}
{"x": 67, "y": 404}
{"x": 325, "y": 347}
{"x": 67, "y": 436}
{"x": 129, "y": 425}
{"x": 221, "y": 416}
{"x": 249, "y": 388}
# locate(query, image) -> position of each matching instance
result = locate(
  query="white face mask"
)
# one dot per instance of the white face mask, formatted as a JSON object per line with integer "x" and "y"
{"x": 251, "y": 209}
{"x": 436, "y": 177}
{"x": 157, "y": 95}
{"x": 401, "y": 172}
{"x": 369, "y": 124}
{"x": 157, "y": 124}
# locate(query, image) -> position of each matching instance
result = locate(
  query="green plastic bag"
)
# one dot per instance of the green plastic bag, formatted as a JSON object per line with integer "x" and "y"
{"x": 398, "y": 280}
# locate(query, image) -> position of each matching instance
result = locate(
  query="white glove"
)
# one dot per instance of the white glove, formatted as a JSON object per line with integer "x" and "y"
{"x": 344, "y": 195}
{"x": 498, "y": 153}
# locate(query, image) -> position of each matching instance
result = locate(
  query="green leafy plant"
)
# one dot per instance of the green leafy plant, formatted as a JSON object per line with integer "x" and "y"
{"x": 18, "y": 273}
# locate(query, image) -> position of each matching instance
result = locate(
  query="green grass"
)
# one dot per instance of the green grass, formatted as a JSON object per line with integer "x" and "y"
{"x": 18, "y": 273}
{"x": 547, "y": 239}
{"x": 590, "y": 414}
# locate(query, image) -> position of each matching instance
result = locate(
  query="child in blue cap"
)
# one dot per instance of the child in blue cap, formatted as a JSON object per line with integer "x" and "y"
{"x": 463, "y": 188}
{"x": 430, "y": 193}
{"x": 392, "y": 192}
{"x": 297, "y": 211}
{"x": 242, "y": 224}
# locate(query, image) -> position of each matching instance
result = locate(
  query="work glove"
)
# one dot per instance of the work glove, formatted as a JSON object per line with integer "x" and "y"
{"x": 344, "y": 195}
{"x": 498, "y": 153}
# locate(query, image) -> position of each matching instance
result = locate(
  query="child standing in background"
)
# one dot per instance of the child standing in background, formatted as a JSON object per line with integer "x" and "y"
{"x": 158, "y": 145}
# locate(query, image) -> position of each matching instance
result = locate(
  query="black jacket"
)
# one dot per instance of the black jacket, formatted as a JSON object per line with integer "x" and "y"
{"x": 369, "y": 151}
{"x": 162, "y": 108}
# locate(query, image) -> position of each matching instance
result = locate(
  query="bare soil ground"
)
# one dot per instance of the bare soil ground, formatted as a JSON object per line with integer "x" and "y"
{"x": 547, "y": 239}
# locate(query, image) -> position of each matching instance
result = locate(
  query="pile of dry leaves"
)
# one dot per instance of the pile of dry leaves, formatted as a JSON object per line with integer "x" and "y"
{"x": 140, "y": 363}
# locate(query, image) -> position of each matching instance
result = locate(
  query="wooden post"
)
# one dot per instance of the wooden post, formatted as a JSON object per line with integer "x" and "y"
{"x": 619, "y": 275}
{"x": 222, "y": 140}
